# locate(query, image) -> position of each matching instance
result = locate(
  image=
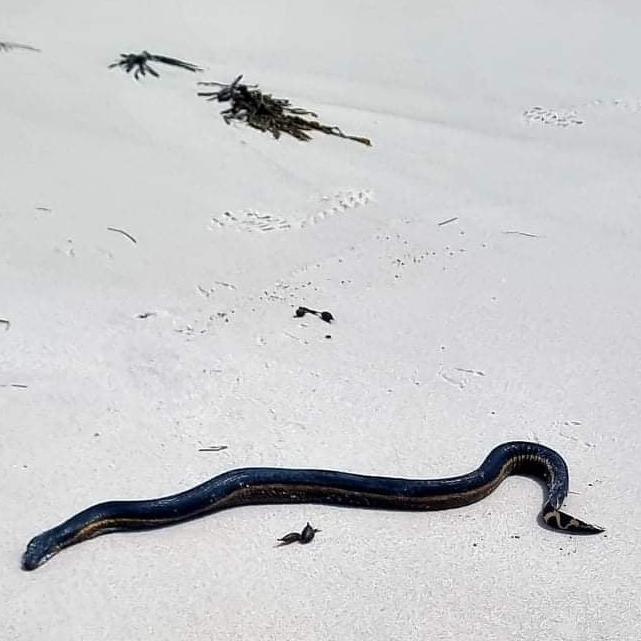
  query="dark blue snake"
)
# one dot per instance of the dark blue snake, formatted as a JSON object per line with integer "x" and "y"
{"x": 266, "y": 485}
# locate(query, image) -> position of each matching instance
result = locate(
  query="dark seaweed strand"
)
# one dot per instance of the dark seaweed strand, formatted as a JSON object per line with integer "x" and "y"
{"x": 174, "y": 62}
{"x": 255, "y": 486}
{"x": 266, "y": 113}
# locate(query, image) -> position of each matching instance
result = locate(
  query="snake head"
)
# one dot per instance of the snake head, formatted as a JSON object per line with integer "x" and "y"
{"x": 38, "y": 551}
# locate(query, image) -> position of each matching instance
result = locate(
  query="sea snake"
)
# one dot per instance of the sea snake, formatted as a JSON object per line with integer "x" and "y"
{"x": 267, "y": 485}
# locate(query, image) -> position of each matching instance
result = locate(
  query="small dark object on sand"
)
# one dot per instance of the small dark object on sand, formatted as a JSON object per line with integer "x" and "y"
{"x": 124, "y": 233}
{"x": 9, "y": 46}
{"x": 213, "y": 448}
{"x": 326, "y": 316}
{"x": 303, "y": 537}
{"x": 139, "y": 62}
{"x": 265, "y": 113}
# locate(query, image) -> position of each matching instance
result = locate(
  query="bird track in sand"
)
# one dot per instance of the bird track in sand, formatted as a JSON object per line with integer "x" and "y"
{"x": 251, "y": 220}
{"x": 579, "y": 114}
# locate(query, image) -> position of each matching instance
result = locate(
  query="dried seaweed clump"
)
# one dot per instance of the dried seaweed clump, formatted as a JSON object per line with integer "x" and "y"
{"x": 266, "y": 113}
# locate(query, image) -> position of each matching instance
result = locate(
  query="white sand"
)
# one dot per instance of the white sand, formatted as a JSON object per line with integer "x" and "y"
{"x": 449, "y": 338}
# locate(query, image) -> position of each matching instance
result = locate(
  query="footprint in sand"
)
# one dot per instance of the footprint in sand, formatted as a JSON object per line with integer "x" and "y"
{"x": 608, "y": 108}
{"x": 249, "y": 221}
{"x": 253, "y": 220}
{"x": 553, "y": 117}
{"x": 338, "y": 203}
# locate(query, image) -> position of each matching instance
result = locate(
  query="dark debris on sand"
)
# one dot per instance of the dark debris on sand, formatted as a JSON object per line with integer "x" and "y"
{"x": 326, "y": 316}
{"x": 139, "y": 63}
{"x": 264, "y": 112}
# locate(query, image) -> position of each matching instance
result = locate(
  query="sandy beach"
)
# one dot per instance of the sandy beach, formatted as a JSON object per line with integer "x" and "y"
{"x": 481, "y": 261}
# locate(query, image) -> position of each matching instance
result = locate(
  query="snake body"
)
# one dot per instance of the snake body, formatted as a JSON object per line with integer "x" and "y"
{"x": 266, "y": 485}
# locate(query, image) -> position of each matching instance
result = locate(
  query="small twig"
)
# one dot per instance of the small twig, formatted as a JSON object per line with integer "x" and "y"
{"x": 448, "y": 221}
{"x": 16, "y": 385}
{"x": 224, "y": 284}
{"x": 6, "y": 323}
{"x": 522, "y": 233}
{"x": 476, "y": 372}
{"x": 124, "y": 233}
{"x": 8, "y": 46}
{"x": 213, "y": 448}
{"x": 296, "y": 338}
